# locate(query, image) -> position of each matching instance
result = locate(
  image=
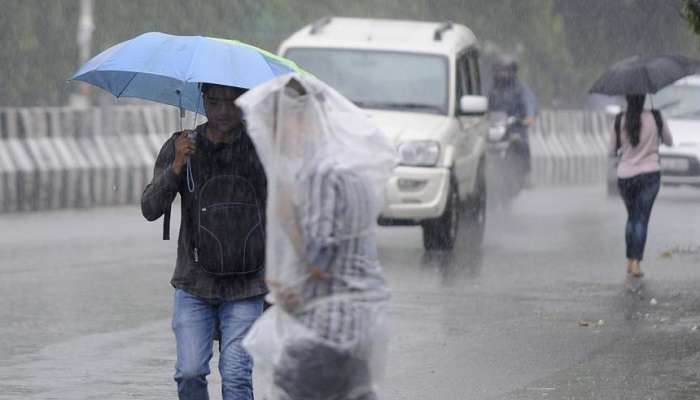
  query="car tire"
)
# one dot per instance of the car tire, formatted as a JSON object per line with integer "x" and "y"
{"x": 475, "y": 211}
{"x": 441, "y": 233}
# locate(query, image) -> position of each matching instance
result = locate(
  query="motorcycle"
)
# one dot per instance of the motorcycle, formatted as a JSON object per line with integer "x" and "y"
{"x": 505, "y": 164}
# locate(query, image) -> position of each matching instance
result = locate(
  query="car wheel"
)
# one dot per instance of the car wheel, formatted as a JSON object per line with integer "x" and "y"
{"x": 441, "y": 233}
{"x": 476, "y": 211}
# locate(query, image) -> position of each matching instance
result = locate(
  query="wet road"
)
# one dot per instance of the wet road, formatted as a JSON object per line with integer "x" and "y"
{"x": 543, "y": 311}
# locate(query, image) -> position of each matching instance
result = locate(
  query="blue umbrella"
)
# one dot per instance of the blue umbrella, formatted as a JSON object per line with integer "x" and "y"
{"x": 169, "y": 69}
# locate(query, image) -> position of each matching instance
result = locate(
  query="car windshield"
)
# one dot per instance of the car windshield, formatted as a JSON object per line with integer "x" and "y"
{"x": 679, "y": 101}
{"x": 380, "y": 79}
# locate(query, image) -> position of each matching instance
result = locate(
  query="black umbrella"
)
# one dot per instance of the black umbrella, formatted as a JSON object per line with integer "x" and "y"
{"x": 637, "y": 75}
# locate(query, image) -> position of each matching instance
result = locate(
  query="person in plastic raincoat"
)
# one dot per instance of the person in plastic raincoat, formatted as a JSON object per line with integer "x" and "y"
{"x": 326, "y": 166}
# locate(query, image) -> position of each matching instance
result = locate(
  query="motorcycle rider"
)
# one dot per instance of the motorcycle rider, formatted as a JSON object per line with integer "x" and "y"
{"x": 511, "y": 96}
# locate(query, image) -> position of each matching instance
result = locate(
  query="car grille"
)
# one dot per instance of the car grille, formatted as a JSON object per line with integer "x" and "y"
{"x": 680, "y": 166}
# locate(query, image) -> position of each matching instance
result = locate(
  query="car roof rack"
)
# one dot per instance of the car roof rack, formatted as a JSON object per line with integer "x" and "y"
{"x": 437, "y": 36}
{"x": 318, "y": 25}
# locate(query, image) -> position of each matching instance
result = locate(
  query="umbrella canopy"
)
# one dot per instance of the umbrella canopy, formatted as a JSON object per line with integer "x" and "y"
{"x": 169, "y": 69}
{"x": 636, "y": 75}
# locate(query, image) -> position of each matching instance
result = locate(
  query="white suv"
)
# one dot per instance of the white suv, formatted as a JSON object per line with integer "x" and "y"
{"x": 420, "y": 83}
{"x": 680, "y": 105}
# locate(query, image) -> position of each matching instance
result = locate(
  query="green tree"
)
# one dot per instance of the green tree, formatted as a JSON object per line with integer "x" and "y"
{"x": 39, "y": 50}
{"x": 691, "y": 11}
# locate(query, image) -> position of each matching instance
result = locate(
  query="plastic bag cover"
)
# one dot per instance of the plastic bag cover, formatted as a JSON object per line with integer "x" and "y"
{"x": 326, "y": 165}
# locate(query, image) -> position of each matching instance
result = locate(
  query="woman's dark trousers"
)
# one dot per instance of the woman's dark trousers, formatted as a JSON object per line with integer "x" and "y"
{"x": 638, "y": 193}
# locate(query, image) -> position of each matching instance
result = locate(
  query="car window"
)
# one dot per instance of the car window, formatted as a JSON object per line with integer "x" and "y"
{"x": 473, "y": 59}
{"x": 380, "y": 79}
{"x": 464, "y": 78}
{"x": 460, "y": 85}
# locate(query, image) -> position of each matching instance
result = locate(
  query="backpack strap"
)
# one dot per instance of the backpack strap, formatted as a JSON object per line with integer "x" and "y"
{"x": 659, "y": 123}
{"x": 618, "y": 120}
{"x": 657, "y": 118}
{"x": 166, "y": 212}
{"x": 166, "y": 224}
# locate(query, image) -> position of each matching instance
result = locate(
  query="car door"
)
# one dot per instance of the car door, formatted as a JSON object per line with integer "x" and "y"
{"x": 473, "y": 128}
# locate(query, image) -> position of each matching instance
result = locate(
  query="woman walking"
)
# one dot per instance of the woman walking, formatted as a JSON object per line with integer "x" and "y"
{"x": 636, "y": 138}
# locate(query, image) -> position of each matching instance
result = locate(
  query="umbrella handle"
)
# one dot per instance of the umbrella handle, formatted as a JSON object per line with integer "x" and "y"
{"x": 179, "y": 105}
{"x": 190, "y": 178}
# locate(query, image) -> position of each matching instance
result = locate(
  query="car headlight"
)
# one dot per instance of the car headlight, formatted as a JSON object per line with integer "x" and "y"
{"x": 420, "y": 153}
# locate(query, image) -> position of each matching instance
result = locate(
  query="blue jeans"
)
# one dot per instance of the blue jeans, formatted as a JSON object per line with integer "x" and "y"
{"x": 638, "y": 193}
{"x": 194, "y": 322}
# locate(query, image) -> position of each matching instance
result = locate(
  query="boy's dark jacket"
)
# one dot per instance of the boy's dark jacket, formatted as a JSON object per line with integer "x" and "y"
{"x": 210, "y": 159}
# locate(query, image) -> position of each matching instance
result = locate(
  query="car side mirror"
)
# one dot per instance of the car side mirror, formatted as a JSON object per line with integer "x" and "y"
{"x": 473, "y": 105}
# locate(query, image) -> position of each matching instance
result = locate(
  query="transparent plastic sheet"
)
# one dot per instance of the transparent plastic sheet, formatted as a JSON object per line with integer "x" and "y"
{"x": 327, "y": 165}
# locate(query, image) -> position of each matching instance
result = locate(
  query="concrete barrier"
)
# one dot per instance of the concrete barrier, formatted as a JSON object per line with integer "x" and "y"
{"x": 54, "y": 158}
{"x": 569, "y": 147}
{"x": 63, "y": 158}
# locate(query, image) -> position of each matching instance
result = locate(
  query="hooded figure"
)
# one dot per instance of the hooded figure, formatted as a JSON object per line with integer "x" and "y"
{"x": 326, "y": 166}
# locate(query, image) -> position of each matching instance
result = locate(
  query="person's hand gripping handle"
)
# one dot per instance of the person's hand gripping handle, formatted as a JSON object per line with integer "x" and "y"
{"x": 185, "y": 146}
